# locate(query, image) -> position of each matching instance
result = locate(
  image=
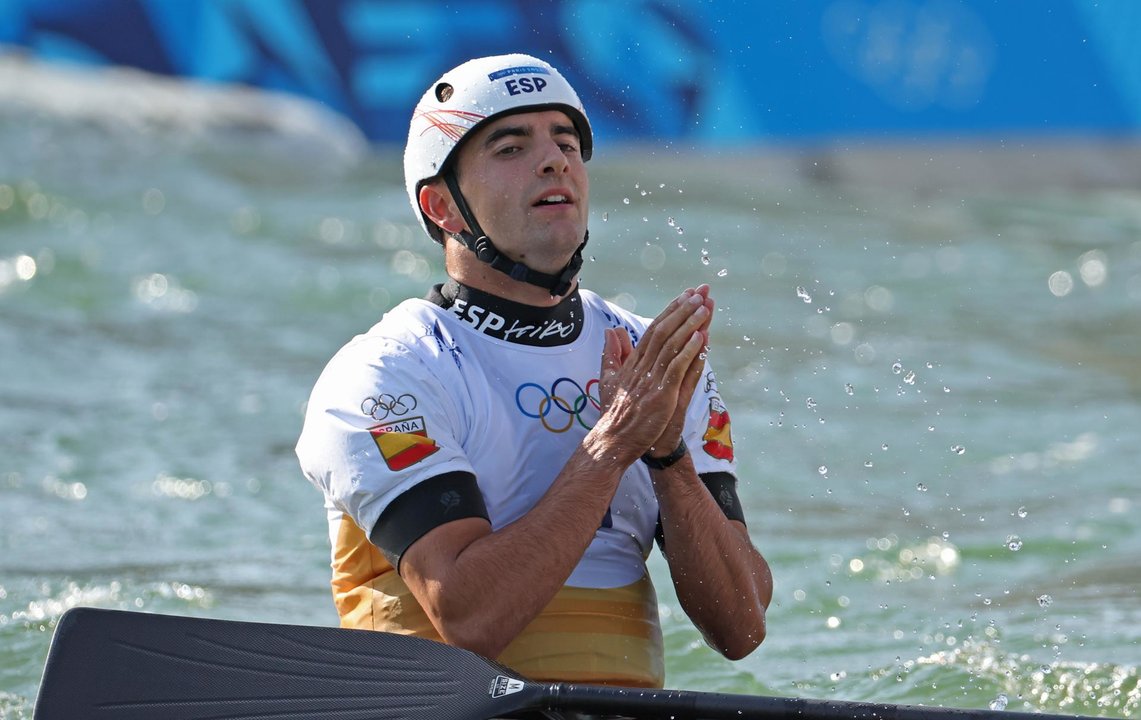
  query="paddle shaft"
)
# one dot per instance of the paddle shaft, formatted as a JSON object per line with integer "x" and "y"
{"x": 687, "y": 705}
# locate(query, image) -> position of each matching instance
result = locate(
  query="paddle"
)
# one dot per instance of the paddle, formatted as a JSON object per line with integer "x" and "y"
{"x": 128, "y": 666}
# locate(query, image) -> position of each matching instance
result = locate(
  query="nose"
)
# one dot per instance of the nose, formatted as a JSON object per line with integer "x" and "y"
{"x": 553, "y": 160}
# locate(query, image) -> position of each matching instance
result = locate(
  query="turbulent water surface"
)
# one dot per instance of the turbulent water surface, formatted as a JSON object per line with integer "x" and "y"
{"x": 936, "y": 395}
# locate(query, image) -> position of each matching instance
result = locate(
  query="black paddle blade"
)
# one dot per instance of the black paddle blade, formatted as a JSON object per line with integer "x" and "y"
{"x": 134, "y": 666}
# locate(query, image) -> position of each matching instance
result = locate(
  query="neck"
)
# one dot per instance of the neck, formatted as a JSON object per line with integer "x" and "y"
{"x": 466, "y": 269}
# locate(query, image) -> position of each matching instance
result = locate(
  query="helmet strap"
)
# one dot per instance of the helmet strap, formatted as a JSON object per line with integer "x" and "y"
{"x": 479, "y": 243}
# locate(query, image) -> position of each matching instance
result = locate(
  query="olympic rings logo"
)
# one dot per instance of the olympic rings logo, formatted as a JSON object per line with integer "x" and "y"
{"x": 710, "y": 382}
{"x": 381, "y": 407}
{"x": 550, "y": 408}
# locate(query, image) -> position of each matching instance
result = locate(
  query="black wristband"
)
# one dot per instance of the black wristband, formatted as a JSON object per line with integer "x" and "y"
{"x": 661, "y": 463}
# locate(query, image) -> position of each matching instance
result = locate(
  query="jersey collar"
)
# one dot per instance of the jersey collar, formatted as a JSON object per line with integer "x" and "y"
{"x": 511, "y": 321}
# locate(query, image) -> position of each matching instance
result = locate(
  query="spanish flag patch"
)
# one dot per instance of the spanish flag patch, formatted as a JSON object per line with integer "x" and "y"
{"x": 403, "y": 443}
{"x": 718, "y": 440}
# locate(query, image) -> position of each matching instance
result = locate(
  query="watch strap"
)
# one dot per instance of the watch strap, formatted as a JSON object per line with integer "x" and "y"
{"x": 661, "y": 463}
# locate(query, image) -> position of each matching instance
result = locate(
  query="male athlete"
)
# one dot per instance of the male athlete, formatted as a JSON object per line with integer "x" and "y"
{"x": 498, "y": 458}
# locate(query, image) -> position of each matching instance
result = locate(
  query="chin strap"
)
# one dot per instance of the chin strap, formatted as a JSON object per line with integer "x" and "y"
{"x": 479, "y": 243}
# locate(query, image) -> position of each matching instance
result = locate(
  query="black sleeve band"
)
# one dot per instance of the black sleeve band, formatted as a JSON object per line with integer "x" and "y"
{"x": 723, "y": 487}
{"x": 424, "y": 507}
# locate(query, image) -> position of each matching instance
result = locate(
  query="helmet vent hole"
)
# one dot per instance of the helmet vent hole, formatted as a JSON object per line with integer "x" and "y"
{"x": 444, "y": 92}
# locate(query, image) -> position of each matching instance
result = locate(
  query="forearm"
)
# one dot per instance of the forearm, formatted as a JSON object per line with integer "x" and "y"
{"x": 723, "y": 583}
{"x": 500, "y": 581}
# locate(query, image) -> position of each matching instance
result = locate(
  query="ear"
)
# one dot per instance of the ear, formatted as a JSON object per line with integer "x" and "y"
{"x": 436, "y": 203}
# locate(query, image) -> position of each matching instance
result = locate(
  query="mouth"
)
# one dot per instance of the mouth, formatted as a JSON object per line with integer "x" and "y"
{"x": 553, "y": 198}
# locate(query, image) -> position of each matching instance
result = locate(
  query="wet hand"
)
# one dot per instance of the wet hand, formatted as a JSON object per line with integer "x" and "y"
{"x": 672, "y": 434}
{"x": 645, "y": 389}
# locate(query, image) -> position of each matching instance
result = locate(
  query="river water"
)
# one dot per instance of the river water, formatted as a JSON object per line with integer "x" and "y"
{"x": 935, "y": 392}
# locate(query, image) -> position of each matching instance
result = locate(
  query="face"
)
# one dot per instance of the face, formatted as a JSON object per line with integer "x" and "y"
{"x": 526, "y": 183}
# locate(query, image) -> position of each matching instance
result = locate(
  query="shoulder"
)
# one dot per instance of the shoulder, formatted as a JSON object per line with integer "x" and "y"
{"x": 613, "y": 315}
{"x": 592, "y": 302}
{"x": 407, "y": 330}
{"x": 389, "y": 373}
{"x": 401, "y": 349}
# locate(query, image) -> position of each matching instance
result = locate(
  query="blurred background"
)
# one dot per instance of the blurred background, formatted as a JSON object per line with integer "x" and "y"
{"x": 683, "y": 70}
{"x": 921, "y": 220}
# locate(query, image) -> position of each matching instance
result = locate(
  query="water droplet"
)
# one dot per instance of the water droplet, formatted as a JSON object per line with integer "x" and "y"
{"x": 909, "y": 378}
{"x": 921, "y": 487}
{"x": 883, "y": 447}
{"x": 849, "y": 389}
{"x": 671, "y": 222}
{"x": 1044, "y": 601}
{"x": 810, "y": 404}
{"x": 868, "y": 464}
{"x": 896, "y": 368}
{"x": 1022, "y": 512}
{"x": 1000, "y": 702}
{"x": 1013, "y": 543}
{"x": 704, "y": 257}
{"x": 722, "y": 272}
{"x": 823, "y": 469}
{"x": 958, "y": 449}
{"x": 803, "y": 294}
{"x": 625, "y": 201}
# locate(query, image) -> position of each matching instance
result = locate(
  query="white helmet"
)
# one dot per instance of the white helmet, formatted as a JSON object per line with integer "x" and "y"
{"x": 475, "y": 93}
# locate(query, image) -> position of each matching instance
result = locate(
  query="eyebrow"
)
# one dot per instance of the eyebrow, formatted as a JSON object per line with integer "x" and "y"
{"x": 525, "y": 131}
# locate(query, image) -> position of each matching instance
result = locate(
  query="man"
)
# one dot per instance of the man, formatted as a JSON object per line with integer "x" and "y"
{"x": 498, "y": 458}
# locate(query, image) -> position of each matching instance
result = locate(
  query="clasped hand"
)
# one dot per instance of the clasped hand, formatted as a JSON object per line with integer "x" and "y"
{"x": 645, "y": 390}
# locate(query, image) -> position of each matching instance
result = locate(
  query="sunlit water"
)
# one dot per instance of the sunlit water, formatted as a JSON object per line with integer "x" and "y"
{"x": 936, "y": 397}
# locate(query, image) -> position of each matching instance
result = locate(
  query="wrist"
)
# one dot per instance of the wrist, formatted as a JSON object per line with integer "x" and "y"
{"x": 606, "y": 450}
{"x": 664, "y": 461}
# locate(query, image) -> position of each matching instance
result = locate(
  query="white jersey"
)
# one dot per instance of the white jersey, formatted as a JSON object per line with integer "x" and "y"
{"x": 432, "y": 390}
